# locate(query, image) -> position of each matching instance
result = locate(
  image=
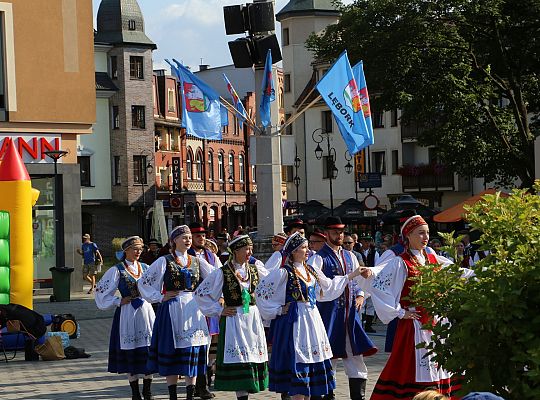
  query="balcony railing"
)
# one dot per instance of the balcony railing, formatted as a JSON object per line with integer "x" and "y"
{"x": 442, "y": 181}
{"x": 411, "y": 131}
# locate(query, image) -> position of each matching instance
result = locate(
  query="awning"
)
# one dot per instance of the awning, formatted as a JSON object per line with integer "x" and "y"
{"x": 457, "y": 213}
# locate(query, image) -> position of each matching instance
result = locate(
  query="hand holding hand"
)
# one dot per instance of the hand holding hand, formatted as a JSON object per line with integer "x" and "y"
{"x": 229, "y": 311}
{"x": 411, "y": 315}
{"x": 170, "y": 295}
{"x": 285, "y": 308}
{"x": 359, "y": 301}
{"x": 366, "y": 272}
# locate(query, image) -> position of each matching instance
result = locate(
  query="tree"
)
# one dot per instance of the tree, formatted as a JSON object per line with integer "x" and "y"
{"x": 492, "y": 338}
{"x": 467, "y": 71}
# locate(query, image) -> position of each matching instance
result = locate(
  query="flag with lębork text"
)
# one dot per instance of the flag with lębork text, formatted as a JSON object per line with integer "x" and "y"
{"x": 339, "y": 90}
{"x": 268, "y": 92}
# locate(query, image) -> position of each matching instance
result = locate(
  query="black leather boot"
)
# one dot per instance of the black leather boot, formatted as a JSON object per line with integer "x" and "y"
{"x": 190, "y": 392}
{"x": 369, "y": 324}
{"x": 242, "y": 398}
{"x": 201, "y": 388}
{"x": 357, "y": 388}
{"x": 147, "y": 394}
{"x": 172, "y": 392}
{"x": 135, "y": 393}
{"x": 329, "y": 396}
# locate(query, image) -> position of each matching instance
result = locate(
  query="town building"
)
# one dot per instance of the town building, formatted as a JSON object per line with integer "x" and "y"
{"x": 118, "y": 197}
{"x": 47, "y": 99}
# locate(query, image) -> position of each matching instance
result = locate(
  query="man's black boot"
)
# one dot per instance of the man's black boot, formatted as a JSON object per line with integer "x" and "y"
{"x": 146, "y": 392}
{"x": 135, "y": 394}
{"x": 357, "y": 388}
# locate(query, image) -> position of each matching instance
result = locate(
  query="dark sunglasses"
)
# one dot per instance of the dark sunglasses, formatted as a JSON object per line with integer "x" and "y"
{"x": 348, "y": 242}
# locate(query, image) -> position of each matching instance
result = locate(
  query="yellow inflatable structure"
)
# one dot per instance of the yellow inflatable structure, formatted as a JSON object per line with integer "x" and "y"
{"x": 16, "y": 201}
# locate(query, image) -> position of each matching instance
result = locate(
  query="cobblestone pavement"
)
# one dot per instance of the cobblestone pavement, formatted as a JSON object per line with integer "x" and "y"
{"x": 89, "y": 379}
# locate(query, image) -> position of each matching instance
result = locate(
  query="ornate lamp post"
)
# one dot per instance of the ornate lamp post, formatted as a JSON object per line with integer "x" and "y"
{"x": 225, "y": 217}
{"x": 318, "y": 136}
{"x": 348, "y": 169}
{"x": 145, "y": 170}
{"x": 296, "y": 179}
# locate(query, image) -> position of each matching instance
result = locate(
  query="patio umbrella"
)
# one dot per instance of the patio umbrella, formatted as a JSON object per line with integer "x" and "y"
{"x": 457, "y": 213}
{"x": 404, "y": 203}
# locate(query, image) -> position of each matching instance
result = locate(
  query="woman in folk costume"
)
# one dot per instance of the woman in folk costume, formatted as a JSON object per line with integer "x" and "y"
{"x": 241, "y": 364}
{"x": 300, "y": 363}
{"x": 131, "y": 330}
{"x": 180, "y": 336}
{"x": 409, "y": 370}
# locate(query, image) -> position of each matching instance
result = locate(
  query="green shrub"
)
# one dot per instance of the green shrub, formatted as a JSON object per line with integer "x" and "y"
{"x": 493, "y": 338}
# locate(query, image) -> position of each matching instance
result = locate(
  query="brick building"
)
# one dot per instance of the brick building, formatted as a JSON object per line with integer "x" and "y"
{"x": 214, "y": 180}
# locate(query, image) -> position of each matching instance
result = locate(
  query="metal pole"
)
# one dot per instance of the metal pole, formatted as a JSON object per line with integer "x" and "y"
{"x": 144, "y": 206}
{"x": 224, "y": 217}
{"x": 57, "y": 235}
{"x": 331, "y": 168}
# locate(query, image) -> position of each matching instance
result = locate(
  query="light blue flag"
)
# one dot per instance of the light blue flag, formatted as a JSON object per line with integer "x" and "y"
{"x": 237, "y": 103}
{"x": 224, "y": 116}
{"x": 268, "y": 92}
{"x": 358, "y": 72}
{"x": 339, "y": 90}
{"x": 201, "y": 109}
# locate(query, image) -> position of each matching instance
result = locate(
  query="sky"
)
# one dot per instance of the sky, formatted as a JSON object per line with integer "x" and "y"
{"x": 190, "y": 30}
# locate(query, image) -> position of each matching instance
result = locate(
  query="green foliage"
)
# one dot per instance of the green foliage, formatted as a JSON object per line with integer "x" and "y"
{"x": 466, "y": 72}
{"x": 493, "y": 336}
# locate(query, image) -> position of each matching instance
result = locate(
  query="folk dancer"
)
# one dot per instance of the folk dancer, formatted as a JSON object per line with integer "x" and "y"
{"x": 180, "y": 336}
{"x": 228, "y": 292}
{"x": 133, "y": 320}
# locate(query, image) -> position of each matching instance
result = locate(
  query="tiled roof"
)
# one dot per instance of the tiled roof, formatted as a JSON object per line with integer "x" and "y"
{"x": 104, "y": 82}
{"x": 307, "y": 7}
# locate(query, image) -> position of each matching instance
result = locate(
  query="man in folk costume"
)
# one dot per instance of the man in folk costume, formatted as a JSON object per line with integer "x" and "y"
{"x": 199, "y": 250}
{"x": 341, "y": 317}
{"x": 409, "y": 369}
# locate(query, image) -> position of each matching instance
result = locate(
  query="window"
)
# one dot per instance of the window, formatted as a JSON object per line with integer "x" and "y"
{"x": 84, "y": 164}
{"x": 225, "y": 130}
{"x": 221, "y": 167}
{"x": 139, "y": 170}
{"x": 285, "y": 37}
{"x": 115, "y": 117}
{"x": 236, "y": 130}
{"x": 328, "y": 167}
{"x": 327, "y": 121}
{"x": 116, "y": 171}
{"x": 3, "y": 80}
{"x": 287, "y": 83}
{"x": 210, "y": 166}
{"x": 379, "y": 161}
{"x": 393, "y": 117}
{"x": 395, "y": 161}
{"x": 136, "y": 67}
{"x": 199, "y": 165}
{"x": 171, "y": 100}
{"x": 137, "y": 117}
{"x": 241, "y": 167}
{"x": 253, "y": 173}
{"x": 433, "y": 155}
{"x": 378, "y": 119}
{"x": 189, "y": 165}
{"x": 114, "y": 67}
{"x": 231, "y": 165}
{"x": 281, "y": 98}
{"x": 288, "y": 129}
{"x": 131, "y": 25}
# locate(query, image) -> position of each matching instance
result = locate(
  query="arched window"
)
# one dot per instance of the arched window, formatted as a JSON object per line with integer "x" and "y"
{"x": 221, "y": 167}
{"x": 199, "y": 165}
{"x": 231, "y": 165}
{"x": 189, "y": 165}
{"x": 210, "y": 165}
{"x": 281, "y": 99}
{"x": 241, "y": 167}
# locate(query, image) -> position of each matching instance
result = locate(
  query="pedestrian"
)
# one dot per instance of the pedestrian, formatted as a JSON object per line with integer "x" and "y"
{"x": 275, "y": 260}
{"x": 92, "y": 259}
{"x": 348, "y": 244}
{"x": 301, "y": 367}
{"x": 341, "y": 316}
{"x": 228, "y": 292}
{"x": 133, "y": 320}
{"x": 317, "y": 239}
{"x": 198, "y": 249}
{"x": 151, "y": 254}
{"x": 180, "y": 336}
{"x": 410, "y": 369}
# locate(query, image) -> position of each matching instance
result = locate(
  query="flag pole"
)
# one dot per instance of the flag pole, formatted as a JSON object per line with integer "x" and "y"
{"x": 233, "y": 109}
{"x": 297, "y": 115}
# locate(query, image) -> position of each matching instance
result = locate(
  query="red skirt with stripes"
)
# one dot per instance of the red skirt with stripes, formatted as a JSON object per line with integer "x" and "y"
{"x": 398, "y": 378}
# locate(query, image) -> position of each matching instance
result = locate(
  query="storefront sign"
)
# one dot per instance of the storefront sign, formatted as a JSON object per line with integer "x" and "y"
{"x": 177, "y": 175}
{"x": 32, "y": 147}
{"x": 370, "y": 180}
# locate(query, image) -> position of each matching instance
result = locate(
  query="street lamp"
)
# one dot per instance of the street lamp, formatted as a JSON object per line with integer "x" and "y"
{"x": 230, "y": 181}
{"x": 55, "y": 155}
{"x": 348, "y": 169}
{"x": 296, "y": 179}
{"x": 318, "y": 136}
{"x": 145, "y": 169}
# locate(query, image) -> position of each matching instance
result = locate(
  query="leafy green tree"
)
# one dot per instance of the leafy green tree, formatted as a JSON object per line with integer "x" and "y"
{"x": 493, "y": 335}
{"x": 465, "y": 71}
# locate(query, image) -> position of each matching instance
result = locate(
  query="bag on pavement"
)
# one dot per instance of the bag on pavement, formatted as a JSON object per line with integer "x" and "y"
{"x": 52, "y": 349}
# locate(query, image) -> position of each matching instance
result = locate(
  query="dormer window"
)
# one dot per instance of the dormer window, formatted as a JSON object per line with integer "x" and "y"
{"x": 131, "y": 24}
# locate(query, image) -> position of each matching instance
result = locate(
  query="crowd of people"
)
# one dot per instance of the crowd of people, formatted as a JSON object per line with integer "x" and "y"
{"x": 202, "y": 307}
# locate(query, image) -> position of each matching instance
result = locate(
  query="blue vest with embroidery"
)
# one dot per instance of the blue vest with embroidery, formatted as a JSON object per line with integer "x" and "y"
{"x": 338, "y": 316}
